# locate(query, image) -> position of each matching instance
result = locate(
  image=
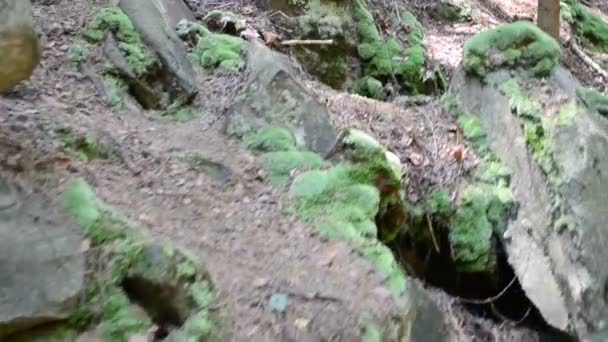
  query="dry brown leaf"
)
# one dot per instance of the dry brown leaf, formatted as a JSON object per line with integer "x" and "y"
{"x": 458, "y": 153}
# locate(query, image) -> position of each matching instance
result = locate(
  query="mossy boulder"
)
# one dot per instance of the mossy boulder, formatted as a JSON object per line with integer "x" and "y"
{"x": 167, "y": 282}
{"x": 551, "y": 160}
{"x": 520, "y": 44}
{"x": 273, "y": 96}
{"x": 215, "y": 50}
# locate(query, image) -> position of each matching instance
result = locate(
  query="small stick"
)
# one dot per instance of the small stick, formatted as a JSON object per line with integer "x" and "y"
{"x": 428, "y": 219}
{"x": 307, "y": 42}
{"x": 583, "y": 56}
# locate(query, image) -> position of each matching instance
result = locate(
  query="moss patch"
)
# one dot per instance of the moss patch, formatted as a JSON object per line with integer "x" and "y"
{"x": 387, "y": 58}
{"x": 270, "y": 139}
{"x": 482, "y": 210}
{"x": 483, "y": 206}
{"x": 105, "y": 302}
{"x": 279, "y": 164}
{"x": 594, "y": 100}
{"x": 519, "y": 44}
{"x": 591, "y": 29}
{"x": 369, "y": 87}
{"x": 216, "y": 50}
{"x": 536, "y": 127}
{"x": 86, "y": 147}
{"x": 113, "y": 19}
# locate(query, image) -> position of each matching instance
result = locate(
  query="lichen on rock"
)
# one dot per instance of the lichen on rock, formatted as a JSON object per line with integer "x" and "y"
{"x": 518, "y": 44}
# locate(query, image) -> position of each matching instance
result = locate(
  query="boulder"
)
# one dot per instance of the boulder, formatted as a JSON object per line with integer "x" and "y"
{"x": 554, "y": 147}
{"x": 274, "y": 96}
{"x": 18, "y": 43}
{"x": 42, "y": 265}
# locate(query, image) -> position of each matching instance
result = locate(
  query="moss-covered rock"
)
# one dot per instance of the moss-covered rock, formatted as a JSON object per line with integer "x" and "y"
{"x": 165, "y": 281}
{"x": 113, "y": 19}
{"x": 216, "y": 50}
{"x": 369, "y": 87}
{"x": 518, "y": 44}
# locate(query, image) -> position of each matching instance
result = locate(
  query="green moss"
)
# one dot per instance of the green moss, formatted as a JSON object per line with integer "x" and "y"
{"x": 371, "y": 332}
{"x": 482, "y": 210}
{"x": 118, "y": 320}
{"x": 516, "y": 44}
{"x": 471, "y": 127}
{"x": 591, "y": 30}
{"x": 270, "y": 139}
{"x": 85, "y": 147}
{"x": 116, "y": 88}
{"x": 384, "y": 261}
{"x": 279, "y": 164}
{"x": 78, "y": 52}
{"x": 567, "y": 113}
{"x": 439, "y": 203}
{"x": 113, "y": 19}
{"x": 493, "y": 172}
{"x": 593, "y": 99}
{"x": 369, "y": 86}
{"x": 536, "y": 127}
{"x": 97, "y": 222}
{"x": 215, "y": 50}
{"x": 384, "y": 59}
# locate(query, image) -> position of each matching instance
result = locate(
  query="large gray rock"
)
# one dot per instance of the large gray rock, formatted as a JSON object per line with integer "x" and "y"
{"x": 41, "y": 266}
{"x": 557, "y": 241}
{"x": 274, "y": 96}
{"x": 154, "y": 20}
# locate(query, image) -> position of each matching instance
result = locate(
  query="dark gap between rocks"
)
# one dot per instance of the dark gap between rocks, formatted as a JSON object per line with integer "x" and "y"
{"x": 497, "y": 297}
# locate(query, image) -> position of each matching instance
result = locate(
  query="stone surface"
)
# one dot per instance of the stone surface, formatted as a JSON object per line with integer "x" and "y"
{"x": 153, "y": 20}
{"x": 18, "y": 43}
{"x": 556, "y": 242}
{"x": 274, "y": 96}
{"x": 41, "y": 264}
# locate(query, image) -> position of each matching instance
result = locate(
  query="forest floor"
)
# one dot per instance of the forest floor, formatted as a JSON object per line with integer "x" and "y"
{"x": 234, "y": 220}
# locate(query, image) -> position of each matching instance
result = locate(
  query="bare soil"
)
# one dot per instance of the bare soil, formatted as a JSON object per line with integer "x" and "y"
{"x": 251, "y": 246}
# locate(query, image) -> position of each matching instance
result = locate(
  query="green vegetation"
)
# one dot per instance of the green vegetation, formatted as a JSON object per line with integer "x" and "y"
{"x": 535, "y": 125}
{"x": 279, "y": 164}
{"x": 85, "y": 147}
{"x": 369, "y": 86}
{"x": 78, "y": 52}
{"x": 591, "y": 29}
{"x": 482, "y": 210}
{"x": 116, "y": 88}
{"x": 113, "y": 19}
{"x": 484, "y": 206}
{"x": 518, "y": 44}
{"x": 270, "y": 139}
{"x": 594, "y": 100}
{"x": 388, "y": 58}
{"x": 216, "y": 50}
{"x": 105, "y": 303}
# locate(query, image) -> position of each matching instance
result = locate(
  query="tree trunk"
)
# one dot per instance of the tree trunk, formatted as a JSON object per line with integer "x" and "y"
{"x": 548, "y": 17}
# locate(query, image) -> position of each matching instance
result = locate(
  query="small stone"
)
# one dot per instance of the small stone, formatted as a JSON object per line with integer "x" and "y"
{"x": 382, "y": 292}
{"x": 260, "y": 282}
{"x": 187, "y": 201}
{"x": 301, "y": 323}
{"x": 415, "y": 158}
{"x": 181, "y": 182}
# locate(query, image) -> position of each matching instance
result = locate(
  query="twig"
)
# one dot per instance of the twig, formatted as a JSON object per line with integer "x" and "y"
{"x": 307, "y": 42}
{"x": 490, "y": 299}
{"x": 583, "y": 56}
{"x": 428, "y": 219}
{"x": 507, "y": 319}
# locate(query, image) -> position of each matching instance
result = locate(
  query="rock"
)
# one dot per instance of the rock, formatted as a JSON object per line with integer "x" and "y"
{"x": 42, "y": 267}
{"x": 555, "y": 149}
{"x": 18, "y": 43}
{"x": 151, "y": 20}
{"x": 274, "y": 96}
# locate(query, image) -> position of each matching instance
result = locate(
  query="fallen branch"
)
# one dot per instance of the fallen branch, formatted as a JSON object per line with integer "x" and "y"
{"x": 306, "y": 42}
{"x": 587, "y": 60}
{"x": 428, "y": 219}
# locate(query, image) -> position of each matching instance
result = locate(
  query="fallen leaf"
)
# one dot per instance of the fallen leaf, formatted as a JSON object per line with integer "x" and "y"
{"x": 458, "y": 153}
{"x": 279, "y": 301}
{"x": 329, "y": 255}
